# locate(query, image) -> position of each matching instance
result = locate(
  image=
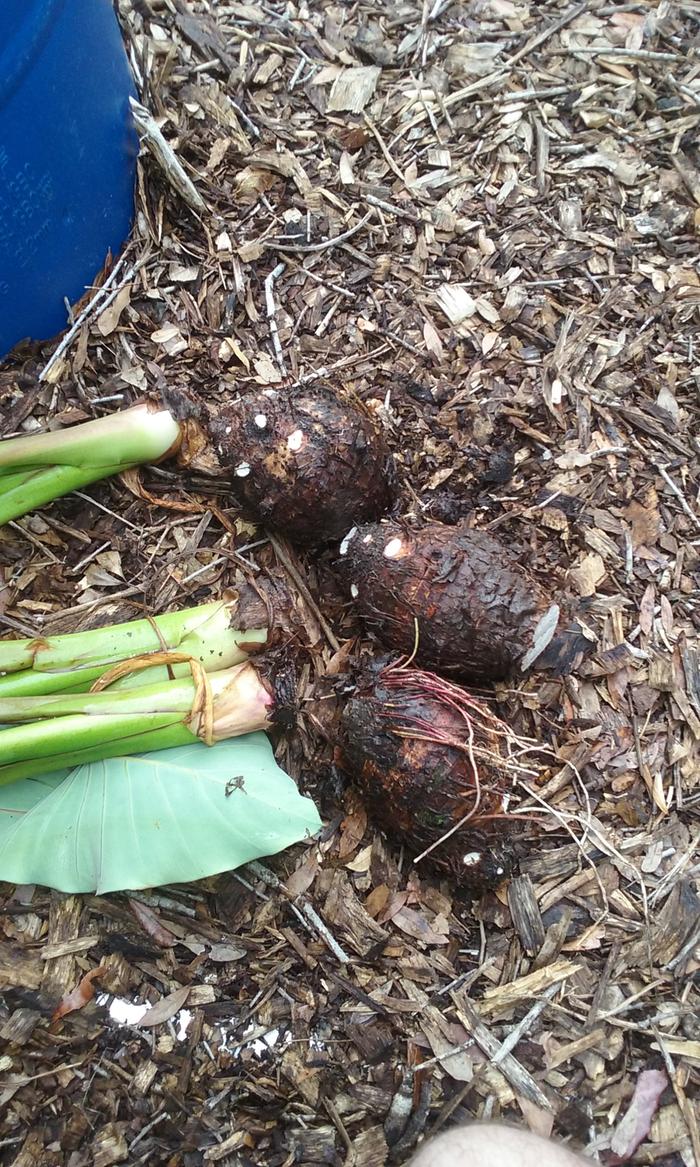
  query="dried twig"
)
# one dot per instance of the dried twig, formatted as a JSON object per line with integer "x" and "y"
{"x": 271, "y": 316}
{"x": 392, "y": 209}
{"x": 102, "y": 298}
{"x": 327, "y": 936}
{"x": 385, "y": 150}
{"x": 695, "y": 520}
{"x": 510, "y": 1067}
{"x": 282, "y": 245}
{"x": 166, "y": 157}
{"x": 289, "y": 565}
{"x": 540, "y": 37}
{"x": 602, "y": 51}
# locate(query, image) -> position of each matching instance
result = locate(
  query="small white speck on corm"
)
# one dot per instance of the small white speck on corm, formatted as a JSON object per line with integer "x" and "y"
{"x": 471, "y": 858}
{"x": 228, "y": 429}
{"x": 354, "y": 591}
{"x": 295, "y": 441}
{"x": 242, "y": 470}
{"x": 260, "y": 421}
{"x": 348, "y": 540}
{"x": 393, "y": 548}
{"x": 500, "y": 871}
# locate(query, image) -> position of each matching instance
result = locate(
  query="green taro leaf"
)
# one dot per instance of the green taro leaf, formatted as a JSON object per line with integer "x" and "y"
{"x": 166, "y": 817}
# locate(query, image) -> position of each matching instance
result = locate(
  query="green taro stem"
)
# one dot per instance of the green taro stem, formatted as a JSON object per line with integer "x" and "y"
{"x": 40, "y": 467}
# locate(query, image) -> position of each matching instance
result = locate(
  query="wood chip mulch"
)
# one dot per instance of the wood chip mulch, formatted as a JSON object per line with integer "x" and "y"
{"x": 481, "y": 217}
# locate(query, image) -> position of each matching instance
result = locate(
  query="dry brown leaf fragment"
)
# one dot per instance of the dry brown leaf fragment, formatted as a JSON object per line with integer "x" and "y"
{"x": 352, "y": 830}
{"x": 108, "y": 320}
{"x": 645, "y": 519}
{"x": 432, "y": 340}
{"x": 217, "y": 153}
{"x": 588, "y": 573}
{"x": 83, "y": 992}
{"x": 415, "y": 924}
{"x": 455, "y": 1061}
{"x": 283, "y": 162}
{"x": 473, "y": 60}
{"x": 646, "y": 609}
{"x": 151, "y": 923}
{"x": 164, "y": 1009}
{"x": 251, "y": 182}
{"x": 170, "y": 338}
{"x": 626, "y": 167}
{"x": 303, "y": 876}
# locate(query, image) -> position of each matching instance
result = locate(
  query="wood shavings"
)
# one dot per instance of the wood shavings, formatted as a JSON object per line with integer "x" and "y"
{"x": 353, "y": 89}
{"x": 497, "y": 254}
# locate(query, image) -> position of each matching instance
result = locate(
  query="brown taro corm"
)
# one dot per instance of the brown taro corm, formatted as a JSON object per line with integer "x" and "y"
{"x": 305, "y": 462}
{"x": 459, "y": 594}
{"x": 426, "y": 757}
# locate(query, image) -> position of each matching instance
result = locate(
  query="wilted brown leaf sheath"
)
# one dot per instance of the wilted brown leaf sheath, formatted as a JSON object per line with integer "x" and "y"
{"x": 265, "y": 602}
{"x": 476, "y": 608}
{"x": 304, "y": 463}
{"x": 417, "y": 789}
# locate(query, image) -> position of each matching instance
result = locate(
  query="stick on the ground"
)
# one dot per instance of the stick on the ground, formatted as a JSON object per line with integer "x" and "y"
{"x": 165, "y": 156}
{"x": 272, "y": 318}
{"x": 281, "y": 245}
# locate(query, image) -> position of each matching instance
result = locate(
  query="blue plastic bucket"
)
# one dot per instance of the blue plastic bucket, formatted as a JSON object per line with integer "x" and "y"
{"x": 67, "y": 157}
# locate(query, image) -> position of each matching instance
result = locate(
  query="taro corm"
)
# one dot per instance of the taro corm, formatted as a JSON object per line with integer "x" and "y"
{"x": 458, "y": 597}
{"x": 431, "y": 763}
{"x": 304, "y": 462}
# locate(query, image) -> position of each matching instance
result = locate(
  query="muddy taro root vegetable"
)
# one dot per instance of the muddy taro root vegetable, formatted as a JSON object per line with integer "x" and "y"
{"x": 428, "y": 758}
{"x": 461, "y": 595}
{"x": 304, "y": 462}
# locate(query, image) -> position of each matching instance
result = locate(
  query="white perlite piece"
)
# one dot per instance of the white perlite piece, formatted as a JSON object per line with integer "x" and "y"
{"x": 243, "y": 470}
{"x": 260, "y": 421}
{"x": 393, "y": 548}
{"x": 295, "y": 441}
{"x": 354, "y": 591}
{"x": 471, "y": 858}
{"x": 348, "y": 540}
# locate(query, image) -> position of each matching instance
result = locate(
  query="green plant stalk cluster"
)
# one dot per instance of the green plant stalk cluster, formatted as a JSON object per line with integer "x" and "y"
{"x": 71, "y": 663}
{"x": 54, "y": 731}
